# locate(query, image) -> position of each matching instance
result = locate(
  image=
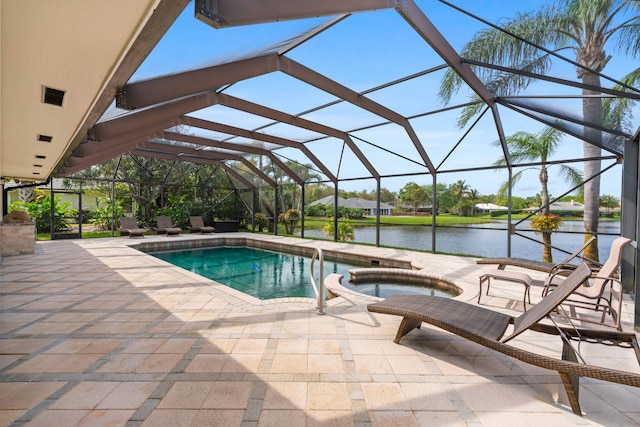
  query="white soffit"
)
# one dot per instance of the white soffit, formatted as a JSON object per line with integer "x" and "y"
{"x": 68, "y": 45}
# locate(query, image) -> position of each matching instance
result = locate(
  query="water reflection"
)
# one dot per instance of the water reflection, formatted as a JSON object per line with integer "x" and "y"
{"x": 490, "y": 241}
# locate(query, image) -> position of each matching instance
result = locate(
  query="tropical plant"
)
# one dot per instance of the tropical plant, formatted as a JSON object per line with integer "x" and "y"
{"x": 525, "y": 146}
{"x": 545, "y": 224}
{"x": 290, "y": 219}
{"x": 40, "y": 212}
{"x": 261, "y": 221}
{"x": 106, "y": 217}
{"x": 608, "y": 202}
{"x": 584, "y": 26}
{"x": 345, "y": 229}
{"x": 460, "y": 189}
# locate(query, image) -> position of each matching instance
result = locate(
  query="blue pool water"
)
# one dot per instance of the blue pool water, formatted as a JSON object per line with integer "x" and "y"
{"x": 266, "y": 275}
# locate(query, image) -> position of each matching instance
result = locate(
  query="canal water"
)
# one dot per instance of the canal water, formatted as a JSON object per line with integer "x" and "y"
{"x": 488, "y": 241}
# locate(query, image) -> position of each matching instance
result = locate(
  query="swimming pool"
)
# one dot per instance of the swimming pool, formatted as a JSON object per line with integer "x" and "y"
{"x": 267, "y": 275}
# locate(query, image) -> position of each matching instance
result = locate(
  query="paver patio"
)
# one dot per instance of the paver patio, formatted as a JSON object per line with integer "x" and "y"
{"x": 94, "y": 332}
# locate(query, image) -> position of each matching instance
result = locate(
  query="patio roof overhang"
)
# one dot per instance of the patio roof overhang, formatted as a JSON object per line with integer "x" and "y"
{"x": 62, "y": 64}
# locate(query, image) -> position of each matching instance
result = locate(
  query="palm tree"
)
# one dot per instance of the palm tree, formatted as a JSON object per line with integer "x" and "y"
{"x": 474, "y": 194}
{"x": 459, "y": 189}
{"x": 528, "y": 147}
{"x": 583, "y": 26}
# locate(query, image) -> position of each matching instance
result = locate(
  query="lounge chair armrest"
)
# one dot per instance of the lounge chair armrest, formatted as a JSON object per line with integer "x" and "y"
{"x": 566, "y": 268}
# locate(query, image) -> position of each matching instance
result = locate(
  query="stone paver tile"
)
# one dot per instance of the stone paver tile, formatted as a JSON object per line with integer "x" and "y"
{"x": 469, "y": 365}
{"x": 501, "y": 397}
{"x": 106, "y": 418}
{"x": 56, "y": 363}
{"x": 449, "y": 418}
{"x": 228, "y": 395}
{"x": 123, "y": 363}
{"x": 8, "y": 359}
{"x": 158, "y": 363}
{"x": 331, "y": 418}
{"x": 285, "y": 395}
{"x": 508, "y": 418}
{"x": 289, "y": 418}
{"x": 176, "y": 345}
{"x": 375, "y": 364}
{"x": 393, "y": 418}
{"x": 384, "y": 397}
{"x": 23, "y": 346}
{"x": 242, "y": 363}
{"x": 116, "y": 328}
{"x": 25, "y": 395}
{"x": 325, "y": 364}
{"x": 64, "y": 417}
{"x": 186, "y": 395}
{"x": 427, "y": 396}
{"x": 366, "y": 346}
{"x": 172, "y": 418}
{"x": 328, "y": 396}
{"x": 258, "y": 328}
{"x": 86, "y": 395}
{"x": 219, "y": 345}
{"x": 218, "y": 418}
{"x": 6, "y": 417}
{"x": 407, "y": 365}
{"x": 324, "y": 347}
{"x": 166, "y": 327}
{"x": 250, "y": 346}
{"x": 129, "y": 395}
{"x": 207, "y": 363}
{"x": 145, "y": 345}
{"x": 47, "y": 328}
{"x": 293, "y": 345}
{"x": 289, "y": 364}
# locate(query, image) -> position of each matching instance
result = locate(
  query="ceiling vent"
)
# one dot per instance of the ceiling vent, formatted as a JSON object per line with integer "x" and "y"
{"x": 52, "y": 96}
{"x": 37, "y": 166}
{"x": 40, "y": 156}
{"x": 45, "y": 138}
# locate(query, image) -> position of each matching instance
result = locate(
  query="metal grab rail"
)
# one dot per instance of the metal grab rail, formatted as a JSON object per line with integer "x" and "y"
{"x": 317, "y": 253}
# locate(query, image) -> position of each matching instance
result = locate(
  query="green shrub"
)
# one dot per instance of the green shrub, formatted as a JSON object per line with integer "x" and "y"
{"x": 104, "y": 218}
{"x": 345, "y": 229}
{"x": 40, "y": 212}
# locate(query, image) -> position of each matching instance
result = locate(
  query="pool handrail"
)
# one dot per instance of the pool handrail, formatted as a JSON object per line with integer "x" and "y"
{"x": 317, "y": 253}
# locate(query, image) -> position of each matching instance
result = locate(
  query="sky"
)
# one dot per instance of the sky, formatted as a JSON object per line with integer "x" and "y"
{"x": 362, "y": 52}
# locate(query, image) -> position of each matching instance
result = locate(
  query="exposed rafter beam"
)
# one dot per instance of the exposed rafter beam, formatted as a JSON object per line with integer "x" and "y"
{"x": 177, "y": 157}
{"x": 197, "y": 140}
{"x": 152, "y": 116}
{"x": 321, "y": 82}
{"x": 279, "y": 116}
{"x": 559, "y": 81}
{"x": 162, "y": 89}
{"x": 230, "y": 13}
{"x": 232, "y": 130}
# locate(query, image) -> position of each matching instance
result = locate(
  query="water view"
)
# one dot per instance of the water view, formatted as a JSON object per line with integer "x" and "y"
{"x": 488, "y": 241}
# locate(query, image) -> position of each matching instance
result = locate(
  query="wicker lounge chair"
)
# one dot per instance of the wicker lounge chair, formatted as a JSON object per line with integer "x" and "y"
{"x": 129, "y": 227}
{"x": 502, "y": 262}
{"x": 488, "y": 328}
{"x": 602, "y": 292}
{"x": 166, "y": 226}
{"x": 197, "y": 225}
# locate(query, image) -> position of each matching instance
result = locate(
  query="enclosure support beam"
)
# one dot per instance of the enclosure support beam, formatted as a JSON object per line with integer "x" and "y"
{"x": 630, "y": 268}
